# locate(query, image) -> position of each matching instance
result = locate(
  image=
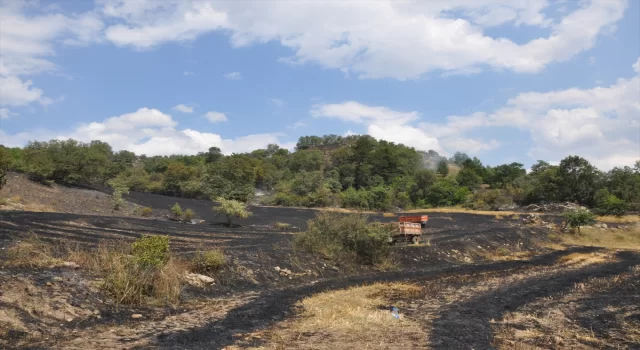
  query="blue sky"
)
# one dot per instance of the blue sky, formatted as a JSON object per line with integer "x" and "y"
{"x": 503, "y": 80}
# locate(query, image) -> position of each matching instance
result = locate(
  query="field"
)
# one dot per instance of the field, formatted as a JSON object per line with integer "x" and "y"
{"x": 475, "y": 281}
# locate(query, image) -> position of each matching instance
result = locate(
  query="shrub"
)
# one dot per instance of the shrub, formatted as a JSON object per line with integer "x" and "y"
{"x": 208, "y": 261}
{"x": 151, "y": 250}
{"x": 146, "y": 212}
{"x": 188, "y": 214}
{"x": 282, "y": 225}
{"x": 344, "y": 237}
{"x": 119, "y": 189}
{"x": 232, "y": 209}
{"x": 176, "y": 210}
{"x": 31, "y": 252}
{"x": 609, "y": 204}
{"x": 578, "y": 217}
{"x": 4, "y": 201}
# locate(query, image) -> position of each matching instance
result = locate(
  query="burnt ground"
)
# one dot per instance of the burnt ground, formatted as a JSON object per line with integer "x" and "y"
{"x": 251, "y": 296}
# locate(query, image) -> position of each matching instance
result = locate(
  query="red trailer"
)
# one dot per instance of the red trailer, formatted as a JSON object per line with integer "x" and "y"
{"x": 420, "y": 219}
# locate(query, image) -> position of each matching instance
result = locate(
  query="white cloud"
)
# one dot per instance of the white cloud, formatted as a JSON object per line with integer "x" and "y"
{"x": 353, "y": 111}
{"x": 183, "y": 108}
{"x": 215, "y": 117}
{"x": 27, "y": 41}
{"x": 376, "y": 40}
{"x": 591, "y": 60}
{"x": 298, "y": 124}
{"x": 277, "y": 102}
{"x": 233, "y": 76}
{"x": 5, "y": 113}
{"x": 188, "y": 74}
{"x": 15, "y": 92}
{"x": 147, "y": 131}
{"x": 636, "y": 66}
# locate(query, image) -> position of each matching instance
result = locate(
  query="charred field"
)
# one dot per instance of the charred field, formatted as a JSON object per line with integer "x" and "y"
{"x": 475, "y": 281}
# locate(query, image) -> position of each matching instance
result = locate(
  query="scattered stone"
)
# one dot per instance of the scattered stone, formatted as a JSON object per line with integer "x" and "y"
{"x": 49, "y": 284}
{"x": 603, "y": 225}
{"x": 136, "y": 316}
{"x": 283, "y": 272}
{"x": 198, "y": 280}
{"x": 57, "y": 279}
{"x": 69, "y": 319}
{"x": 70, "y": 264}
{"x": 558, "y": 340}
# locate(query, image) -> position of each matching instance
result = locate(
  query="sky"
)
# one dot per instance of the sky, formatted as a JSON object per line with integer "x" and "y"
{"x": 503, "y": 80}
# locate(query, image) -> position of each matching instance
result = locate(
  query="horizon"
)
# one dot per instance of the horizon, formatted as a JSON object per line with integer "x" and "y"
{"x": 502, "y": 81}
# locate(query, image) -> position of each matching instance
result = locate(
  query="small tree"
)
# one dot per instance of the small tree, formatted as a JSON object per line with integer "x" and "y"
{"x": 232, "y": 208}
{"x": 119, "y": 189}
{"x": 579, "y": 217}
{"x": 443, "y": 168}
{"x": 176, "y": 210}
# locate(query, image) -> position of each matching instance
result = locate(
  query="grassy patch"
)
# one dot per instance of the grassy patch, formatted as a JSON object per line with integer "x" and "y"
{"x": 4, "y": 201}
{"x": 357, "y": 317}
{"x": 146, "y": 212}
{"x": 624, "y": 219}
{"x": 31, "y": 252}
{"x": 282, "y": 225}
{"x": 494, "y": 213}
{"x": 208, "y": 261}
{"x": 617, "y": 239}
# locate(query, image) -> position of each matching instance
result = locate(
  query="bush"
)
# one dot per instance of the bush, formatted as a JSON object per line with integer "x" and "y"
{"x": 579, "y": 217}
{"x": 282, "y": 225}
{"x": 151, "y": 250}
{"x": 232, "y": 209}
{"x": 119, "y": 189}
{"x": 344, "y": 237}
{"x": 609, "y": 204}
{"x": 146, "y": 212}
{"x": 208, "y": 261}
{"x": 188, "y": 214}
{"x": 176, "y": 210}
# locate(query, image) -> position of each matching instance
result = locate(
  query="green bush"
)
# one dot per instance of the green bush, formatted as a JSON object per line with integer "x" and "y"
{"x": 282, "y": 225}
{"x": 176, "y": 210}
{"x": 232, "y": 209}
{"x": 346, "y": 237}
{"x": 609, "y": 204}
{"x": 119, "y": 189}
{"x": 146, "y": 212}
{"x": 208, "y": 261}
{"x": 188, "y": 214}
{"x": 579, "y": 217}
{"x": 151, "y": 251}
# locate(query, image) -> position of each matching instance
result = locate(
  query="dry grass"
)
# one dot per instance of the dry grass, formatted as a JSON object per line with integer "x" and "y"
{"x": 585, "y": 258}
{"x": 282, "y": 225}
{"x": 618, "y": 239}
{"x": 31, "y": 252}
{"x": 389, "y": 215}
{"x": 500, "y": 214}
{"x": 40, "y": 208}
{"x": 357, "y": 317}
{"x": 625, "y": 219}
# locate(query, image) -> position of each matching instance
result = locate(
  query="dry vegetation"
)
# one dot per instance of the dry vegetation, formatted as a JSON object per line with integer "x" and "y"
{"x": 358, "y": 317}
{"x": 613, "y": 239}
{"x": 624, "y": 219}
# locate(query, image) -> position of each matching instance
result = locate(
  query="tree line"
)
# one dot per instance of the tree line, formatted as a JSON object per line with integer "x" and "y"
{"x": 356, "y": 171}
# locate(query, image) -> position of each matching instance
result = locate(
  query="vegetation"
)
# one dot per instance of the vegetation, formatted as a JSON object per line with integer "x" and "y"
{"x": 151, "y": 250}
{"x": 346, "y": 238}
{"x": 176, "y": 210}
{"x": 146, "y": 212}
{"x": 188, "y": 214}
{"x": 357, "y": 172}
{"x": 208, "y": 261}
{"x": 232, "y": 209}
{"x": 579, "y": 217}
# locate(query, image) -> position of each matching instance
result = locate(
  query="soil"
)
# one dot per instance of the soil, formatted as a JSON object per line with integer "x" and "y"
{"x": 467, "y": 304}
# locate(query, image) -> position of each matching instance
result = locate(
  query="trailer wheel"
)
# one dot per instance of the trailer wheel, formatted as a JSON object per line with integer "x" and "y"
{"x": 415, "y": 239}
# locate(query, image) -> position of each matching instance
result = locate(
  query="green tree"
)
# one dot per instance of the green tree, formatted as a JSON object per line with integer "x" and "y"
{"x": 579, "y": 217}
{"x": 4, "y": 165}
{"x": 231, "y": 209}
{"x": 578, "y": 180}
{"x": 443, "y": 168}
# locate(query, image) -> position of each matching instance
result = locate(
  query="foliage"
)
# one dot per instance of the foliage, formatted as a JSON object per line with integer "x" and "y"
{"x": 443, "y": 168}
{"x": 119, "y": 189}
{"x": 146, "y": 212}
{"x": 4, "y": 165}
{"x": 231, "y": 209}
{"x": 579, "y": 217}
{"x": 346, "y": 237}
{"x": 608, "y": 204}
{"x": 208, "y": 261}
{"x": 188, "y": 214}
{"x": 176, "y": 210}
{"x": 151, "y": 251}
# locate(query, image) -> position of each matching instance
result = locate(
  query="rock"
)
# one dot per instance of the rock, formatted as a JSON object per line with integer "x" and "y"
{"x": 277, "y": 268}
{"x": 49, "y": 284}
{"x": 603, "y": 225}
{"x": 558, "y": 340}
{"x": 136, "y": 316}
{"x": 70, "y": 264}
{"x": 57, "y": 279}
{"x": 96, "y": 312}
{"x": 69, "y": 319}
{"x": 198, "y": 280}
